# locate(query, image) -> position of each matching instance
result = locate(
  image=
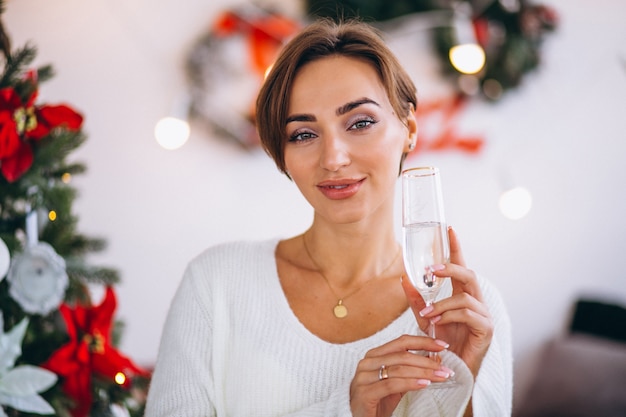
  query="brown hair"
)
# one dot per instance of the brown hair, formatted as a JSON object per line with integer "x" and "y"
{"x": 320, "y": 39}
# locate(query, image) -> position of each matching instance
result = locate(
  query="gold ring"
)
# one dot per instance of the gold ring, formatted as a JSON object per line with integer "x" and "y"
{"x": 382, "y": 373}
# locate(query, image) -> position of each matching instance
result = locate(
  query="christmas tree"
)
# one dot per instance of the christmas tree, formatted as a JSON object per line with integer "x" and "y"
{"x": 57, "y": 347}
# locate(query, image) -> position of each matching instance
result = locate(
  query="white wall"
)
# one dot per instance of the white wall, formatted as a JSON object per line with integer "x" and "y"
{"x": 561, "y": 135}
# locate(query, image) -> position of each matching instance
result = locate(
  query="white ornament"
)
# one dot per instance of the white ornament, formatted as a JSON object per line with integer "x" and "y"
{"x": 38, "y": 279}
{"x": 118, "y": 411}
{"x": 5, "y": 259}
{"x": 20, "y": 386}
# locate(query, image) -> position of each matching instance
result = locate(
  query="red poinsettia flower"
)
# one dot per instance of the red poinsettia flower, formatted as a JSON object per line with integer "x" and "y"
{"x": 22, "y": 121}
{"x": 13, "y": 121}
{"x": 89, "y": 352}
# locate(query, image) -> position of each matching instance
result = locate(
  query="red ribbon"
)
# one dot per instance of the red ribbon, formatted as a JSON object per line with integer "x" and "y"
{"x": 265, "y": 35}
{"x": 445, "y": 113}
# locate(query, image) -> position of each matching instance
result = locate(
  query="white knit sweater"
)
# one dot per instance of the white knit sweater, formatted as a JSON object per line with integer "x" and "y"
{"x": 231, "y": 346}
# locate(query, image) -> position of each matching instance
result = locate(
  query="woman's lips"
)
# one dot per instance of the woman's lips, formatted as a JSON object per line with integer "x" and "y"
{"x": 340, "y": 189}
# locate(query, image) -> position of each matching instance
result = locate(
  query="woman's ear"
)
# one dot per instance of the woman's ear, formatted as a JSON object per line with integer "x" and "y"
{"x": 411, "y": 125}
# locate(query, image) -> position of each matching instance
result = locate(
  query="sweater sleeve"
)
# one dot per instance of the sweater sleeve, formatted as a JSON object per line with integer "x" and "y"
{"x": 181, "y": 384}
{"x": 493, "y": 389}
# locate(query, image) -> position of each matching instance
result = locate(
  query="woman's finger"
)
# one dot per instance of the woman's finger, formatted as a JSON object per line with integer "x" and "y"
{"x": 407, "y": 343}
{"x": 434, "y": 371}
{"x": 416, "y": 302}
{"x": 463, "y": 279}
{"x": 427, "y": 370}
{"x": 374, "y": 367}
{"x": 477, "y": 323}
{"x": 461, "y": 301}
{"x": 461, "y": 308}
{"x": 456, "y": 255}
{"x": 457, "y": 273}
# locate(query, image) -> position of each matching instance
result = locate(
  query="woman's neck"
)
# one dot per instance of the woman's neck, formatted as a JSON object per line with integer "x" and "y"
{"x": 350, "y": 255}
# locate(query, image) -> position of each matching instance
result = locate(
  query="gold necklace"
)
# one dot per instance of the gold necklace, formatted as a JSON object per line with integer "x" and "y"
{"x": 340, "y": 310}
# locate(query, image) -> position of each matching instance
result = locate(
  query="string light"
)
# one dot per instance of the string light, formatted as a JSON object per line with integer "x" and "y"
{"x": 52, "y": 215}
{"x": 120, "y": 378}
{"x": 66, "y": 178}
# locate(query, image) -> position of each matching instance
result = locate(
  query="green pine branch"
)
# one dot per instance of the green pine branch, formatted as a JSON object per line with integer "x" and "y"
{"x": 20, "y": 59}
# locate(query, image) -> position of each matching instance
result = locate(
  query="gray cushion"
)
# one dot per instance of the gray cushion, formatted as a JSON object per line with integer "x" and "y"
{"x": 578, "y": 376}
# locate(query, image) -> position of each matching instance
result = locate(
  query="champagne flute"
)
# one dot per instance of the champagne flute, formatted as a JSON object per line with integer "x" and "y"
{"x": 425, "y": 234}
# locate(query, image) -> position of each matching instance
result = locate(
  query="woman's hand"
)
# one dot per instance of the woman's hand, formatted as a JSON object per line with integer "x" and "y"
{"x": 387, "y": 372}
{"x": 462, "y": 320}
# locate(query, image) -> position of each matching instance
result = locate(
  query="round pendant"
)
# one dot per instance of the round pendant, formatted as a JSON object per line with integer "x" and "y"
{"x": 340, "y": 310}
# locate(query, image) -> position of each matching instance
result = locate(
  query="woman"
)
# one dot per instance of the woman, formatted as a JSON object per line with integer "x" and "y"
{"x": 321, "y": 324}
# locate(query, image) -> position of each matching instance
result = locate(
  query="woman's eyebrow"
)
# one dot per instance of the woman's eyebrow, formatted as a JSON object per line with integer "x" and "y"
{"x": 340, "y": 111}
{"x": 300, "y": 118}
{"x": 354, "y": 104}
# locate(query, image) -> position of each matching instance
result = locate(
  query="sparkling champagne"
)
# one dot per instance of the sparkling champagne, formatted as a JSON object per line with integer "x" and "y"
{"x": 425, "y": 245}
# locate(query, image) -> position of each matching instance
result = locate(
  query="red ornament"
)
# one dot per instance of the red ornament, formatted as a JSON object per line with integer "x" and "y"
{"x": 21, "y": 121}
{"x": 89, "y": 352}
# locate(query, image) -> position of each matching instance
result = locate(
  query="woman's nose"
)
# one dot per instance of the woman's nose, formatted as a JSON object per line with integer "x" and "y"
{"x": 334, "y": 153}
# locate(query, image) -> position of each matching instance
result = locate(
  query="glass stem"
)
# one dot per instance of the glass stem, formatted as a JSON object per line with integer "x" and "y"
{"x": 431, "y": 333}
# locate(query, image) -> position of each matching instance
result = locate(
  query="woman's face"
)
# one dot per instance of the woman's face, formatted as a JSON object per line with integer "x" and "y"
{"x": 344, "y": 141}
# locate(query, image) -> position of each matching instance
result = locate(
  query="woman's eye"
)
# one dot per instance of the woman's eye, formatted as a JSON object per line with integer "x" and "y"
{"x": 301, "y": 136}
{"x": 362, "y": 124}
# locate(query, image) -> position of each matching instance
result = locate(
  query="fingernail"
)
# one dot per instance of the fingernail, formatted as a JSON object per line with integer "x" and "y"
{"x": 447, "y": 370}
{"x": 435, "y": 319}
{"x": 426, "y": 310}
{"x": 437, "y": 267}
{"x": 441, "y": 374}
{"x": 443, "y": 344}
{"x": 423, "y": 382}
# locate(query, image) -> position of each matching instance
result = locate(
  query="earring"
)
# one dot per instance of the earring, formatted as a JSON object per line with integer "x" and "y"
{"x": 411, "y": 146}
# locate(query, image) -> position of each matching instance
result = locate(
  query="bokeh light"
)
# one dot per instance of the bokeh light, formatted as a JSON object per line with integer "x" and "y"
{"x": 492, "y": 89}
{"x": 171, "y": 133}
{"x": 120, "y": 378}
{"x": 468, "y": 58}
{"x": 515, "y": 203}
